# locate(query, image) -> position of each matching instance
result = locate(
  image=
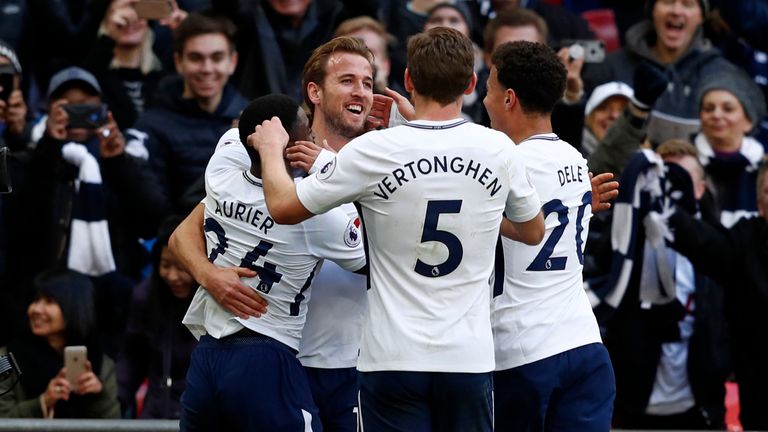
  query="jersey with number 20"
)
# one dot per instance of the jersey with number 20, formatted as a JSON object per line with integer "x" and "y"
{"x": 431, "y": 194}
{"x": 240, "y": 233}
{"x": 543, "y": 309}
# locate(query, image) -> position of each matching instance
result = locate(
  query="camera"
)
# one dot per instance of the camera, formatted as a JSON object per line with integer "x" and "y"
{"x": 7, "y": 75}
{"x": 592, "y": 50}
{"x": 86, "y": 116}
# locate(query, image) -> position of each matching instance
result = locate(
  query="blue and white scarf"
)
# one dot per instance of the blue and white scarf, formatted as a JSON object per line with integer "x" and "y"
{"x": 90, "y": 250}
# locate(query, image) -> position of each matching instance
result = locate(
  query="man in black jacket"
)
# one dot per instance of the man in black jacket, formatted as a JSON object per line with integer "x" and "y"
{"x": 737, "y": 258}
{"x": 193, "y": 110}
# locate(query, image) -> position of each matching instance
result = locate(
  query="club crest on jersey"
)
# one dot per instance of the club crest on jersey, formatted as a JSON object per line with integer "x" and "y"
{"x": 327, "y": 170}
{"x": 352, "y": 234}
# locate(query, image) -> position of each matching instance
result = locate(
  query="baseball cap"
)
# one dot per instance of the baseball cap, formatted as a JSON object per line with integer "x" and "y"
{"x": 604, "y": 91}
{"x": 7, "y": 51}
{"x": 67, "y": 78}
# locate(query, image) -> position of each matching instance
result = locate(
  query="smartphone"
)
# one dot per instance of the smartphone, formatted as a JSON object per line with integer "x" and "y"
{"x": 153, "y": 9}
{"x": 6, "y": 84}
{"x": 593, "y": 50}
{"x": 86, "y": 116}
{"x": 74, "y": 361}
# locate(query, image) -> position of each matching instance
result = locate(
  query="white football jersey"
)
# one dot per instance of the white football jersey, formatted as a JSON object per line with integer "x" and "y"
{"x": 331, "y": 336}
{"x": 240, "y": 232}
{"x": 543, "y": 309}
{"x": 432, "y": 195}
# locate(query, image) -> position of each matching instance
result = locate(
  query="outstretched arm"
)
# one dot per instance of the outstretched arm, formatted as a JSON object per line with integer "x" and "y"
{"x": 188, "y": 245}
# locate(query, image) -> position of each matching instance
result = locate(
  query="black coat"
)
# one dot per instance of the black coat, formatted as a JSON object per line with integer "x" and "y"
{"x": 738, "y": 259}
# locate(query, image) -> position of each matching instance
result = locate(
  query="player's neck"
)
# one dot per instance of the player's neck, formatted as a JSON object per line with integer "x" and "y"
{"x": 323, "y": 132}
{"x": 429, "y": 109}
{"x": 527, "y": 126}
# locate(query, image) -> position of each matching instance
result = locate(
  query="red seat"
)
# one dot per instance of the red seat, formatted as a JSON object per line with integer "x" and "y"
{"x": 603, "y": 23}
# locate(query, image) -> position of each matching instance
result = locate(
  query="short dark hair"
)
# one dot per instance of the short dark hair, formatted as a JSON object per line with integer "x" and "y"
{"x": 441, "y": 63}
{"x": 262, "y": 109}
{"x": 315, "y": 70}
{"x": 513, "y": 18}
{"x": 533, "y": 71}
{"x": 73, "y": 292}
{"x": 202, "y": 23}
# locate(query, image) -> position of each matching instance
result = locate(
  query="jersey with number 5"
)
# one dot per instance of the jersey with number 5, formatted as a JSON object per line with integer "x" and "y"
{"x": 240, "y": 233}
{"x": 432, "y": 196}
{"x": 543, "y": 309}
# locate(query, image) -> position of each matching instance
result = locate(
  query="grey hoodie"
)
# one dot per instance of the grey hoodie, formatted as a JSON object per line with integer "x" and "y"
{"x": 678, "y": 104}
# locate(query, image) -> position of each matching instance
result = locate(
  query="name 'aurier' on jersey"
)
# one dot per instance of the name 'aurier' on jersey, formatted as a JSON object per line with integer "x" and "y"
{"x": 240, "y": 233}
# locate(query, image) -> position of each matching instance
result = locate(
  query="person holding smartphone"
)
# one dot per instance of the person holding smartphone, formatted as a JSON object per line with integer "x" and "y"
{"x": 84, "y": 192}
{"x": 62, "y": 314}
{"x": 14, "y": 130}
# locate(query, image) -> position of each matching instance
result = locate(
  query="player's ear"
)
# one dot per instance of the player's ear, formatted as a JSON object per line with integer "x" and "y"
{"x": 314, "y": 92}
{"x": 510, "y": 99}
{"x": 408, "y": 81}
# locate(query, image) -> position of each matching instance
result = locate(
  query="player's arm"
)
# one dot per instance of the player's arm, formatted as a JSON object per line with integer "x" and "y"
{"x": 530, "y": 232}
{"x": 270, "y": 139}
{"x": 187, "y": 243}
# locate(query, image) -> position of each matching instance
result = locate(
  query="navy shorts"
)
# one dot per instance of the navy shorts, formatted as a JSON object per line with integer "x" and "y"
{"x": 247, "y": 382}
{"x": 573, "y": 390}
{"x": 425, "y": 401}
{"x": 335, "y": 394}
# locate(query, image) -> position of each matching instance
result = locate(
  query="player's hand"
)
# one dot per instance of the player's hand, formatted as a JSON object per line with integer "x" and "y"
{"x": 380, "y": 112}
{"x": 270, "y": 135}
{"x": 16, "y": 112}
{"x": 303, "y": 154}
{"x": 111, "y": 140}
{"x": 404, "y": 106}
{"x": 603, "y": 191}
{"x": 225, "y": 286}
{"x": 88, "y": 382}
{"x": 56, "y": 124}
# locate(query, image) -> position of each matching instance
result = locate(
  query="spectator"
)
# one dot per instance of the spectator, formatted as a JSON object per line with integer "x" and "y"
{"x": 276, "y": 38}
{"x": 672, "y": 40}
{"x": 378, "y": 41}
{"x": 57, "y": 35}
{"x": 85, "y": 203}
{"x": 670, "y": 346}
{"x": 736, "y": 258}
{"x": 457, "y": 17}
{"x": 604, "y": 106}
{"x": 61, "y": 314}
{"x": 193, "y": 110}
{"x": 562, "y": 23}
{"x": 157, "y": 345}
{"x": 124, "y": 61}
{"x": 14, "y": 128}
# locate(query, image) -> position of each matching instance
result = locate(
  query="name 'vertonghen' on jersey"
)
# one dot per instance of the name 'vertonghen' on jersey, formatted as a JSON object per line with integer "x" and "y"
{"x": 438, "y": 164}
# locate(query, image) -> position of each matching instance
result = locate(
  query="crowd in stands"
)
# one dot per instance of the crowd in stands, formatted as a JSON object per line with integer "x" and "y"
{"x": 110, "y": 119}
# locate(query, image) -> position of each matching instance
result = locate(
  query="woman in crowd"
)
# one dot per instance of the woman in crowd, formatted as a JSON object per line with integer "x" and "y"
{"x": 157, "y": 345}
{"x": 62, "y": 314}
